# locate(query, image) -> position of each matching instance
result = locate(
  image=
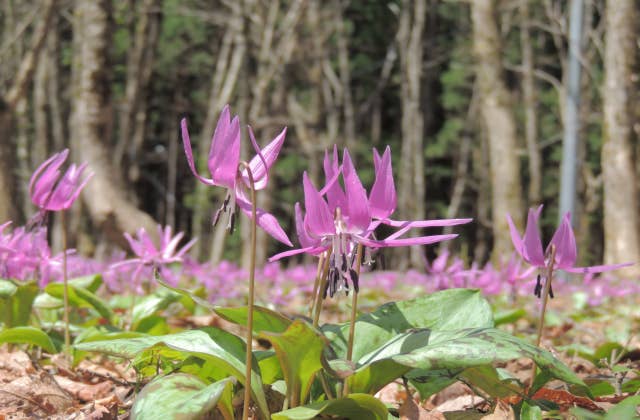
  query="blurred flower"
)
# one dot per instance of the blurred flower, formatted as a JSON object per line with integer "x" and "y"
{"x": 51, "y": 191}
{"x": 148, "y": 255}
{"x": 530, "y": 246}
{"x": 223, "y": 161}
{"x": 349, "y": 217}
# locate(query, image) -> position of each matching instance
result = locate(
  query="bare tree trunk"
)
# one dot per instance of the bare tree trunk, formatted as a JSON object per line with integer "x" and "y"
{"x": 345, "y": 76}
{"x": 411, "y": 191}
{"x": 530, "y": 105}
{"x": 9, "y": 208}
{"x": 105, "y": 196}
{"x": 499, "y": 122}
{"x": 139, "y": 68}
{"x": 621, "y": 224}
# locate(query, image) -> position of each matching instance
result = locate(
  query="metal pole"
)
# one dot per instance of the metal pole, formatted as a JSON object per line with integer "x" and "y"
{"x": 572, "y": 121}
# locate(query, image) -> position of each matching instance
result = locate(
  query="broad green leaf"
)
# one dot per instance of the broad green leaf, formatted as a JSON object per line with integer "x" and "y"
{"x": 299, "y": 350}
{"x": 151, "y": 304}
{"x": 187, "y": 293}
{"x": 80, "y": 297}
{"x": 429, "y": 382}
{"x": 225, "y": 350}
{"x": 626, "y": 409}
{"x": 445, "y": 310}
{"x": 28, "y": 335}
{"x": 449, "y": 350}
{"x": 510, "y": 316}
{"x": 46, "y": 301}
{"x": 15, "y": 310}
{"x": 178, "y": 396}
{"x": 270, "y": 368}
{"x": 7, "y": 288}
{"x": 91, "y": 282}
{"x": 353, "y": 406}
{"x": 153, "y": 325}
{"x": 530, "y": 412}
{"x": 487, "y": 378}
{"x": 263, "y": 319}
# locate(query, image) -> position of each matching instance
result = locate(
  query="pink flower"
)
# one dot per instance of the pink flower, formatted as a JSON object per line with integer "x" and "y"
{"x": 530, "y": 246}
{"x": 349, "y": 217}
{"x": 223, "y": 161}
{"x": 51, "y": 191}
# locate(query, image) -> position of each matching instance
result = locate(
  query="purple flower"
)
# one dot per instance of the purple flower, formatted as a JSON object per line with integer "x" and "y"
{"x": 349, "y": 217}
{"x": 223, "y": 161}
{"x": 51, "y": 191}
{"x": 148, "y": 255}
{"x": 564, "y": 241}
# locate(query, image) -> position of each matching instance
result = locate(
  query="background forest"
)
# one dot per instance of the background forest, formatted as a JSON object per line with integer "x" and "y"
{"x": 469, "y": 94}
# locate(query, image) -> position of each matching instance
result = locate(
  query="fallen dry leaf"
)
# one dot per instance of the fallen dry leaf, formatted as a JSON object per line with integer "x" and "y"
{"x": 85, "y": 392}
{"x": 409, "y": 410}
{"x": 503, "y": 411}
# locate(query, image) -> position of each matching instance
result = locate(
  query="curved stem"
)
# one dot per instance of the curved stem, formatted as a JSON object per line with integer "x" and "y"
{"x": 65, "y": 295}
{"x": 252, "y": 272}
{"x": 545, "y": 298}
{"x": 321, "y": 286}
{"x": 354, "y": 313}
{"x": 316, "y": 284}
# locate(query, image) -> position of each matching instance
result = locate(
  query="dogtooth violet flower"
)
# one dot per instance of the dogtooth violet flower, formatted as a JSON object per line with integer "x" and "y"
{"x": 563, "y": 240}
{"x": 223, "y": 161}
{"x": 147, "y": 254}
{"x": 348, "y": 217}
{"x": 52, "y": 191}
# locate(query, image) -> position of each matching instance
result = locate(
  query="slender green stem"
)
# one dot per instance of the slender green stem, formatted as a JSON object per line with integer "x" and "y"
{"x": 316, "y": 284}
{"x": 252, "y": 272}
{"x": 65, "y": 293}
{"x": 321, "y": 286}
{"x": 545, "y": 298}
{"x": 354, "y": 313}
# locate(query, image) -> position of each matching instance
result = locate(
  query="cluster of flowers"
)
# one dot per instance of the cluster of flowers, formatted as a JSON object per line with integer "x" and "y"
{"x": 338, "y": 219}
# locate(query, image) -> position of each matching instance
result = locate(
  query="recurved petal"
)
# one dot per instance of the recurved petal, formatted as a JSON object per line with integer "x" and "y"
{"x": 532, "y": 244}
{"x": 225, "y": 153}
{"x": 319, "y": 218}
{"x": 382, "y": 198}
{"x": 422, "y": 240}
{"x": 264, "y": 159}
{"x": 310, "y": 250}
{"x": 357, "y": 212}
{"x": 565, "y": 242}
{"x": 263, "y": 219}
{"x": 186, "y": 143}
{"x": 303, "y": 236}
{"x": 596, "y": 268}
{"x": 335, "y": 195}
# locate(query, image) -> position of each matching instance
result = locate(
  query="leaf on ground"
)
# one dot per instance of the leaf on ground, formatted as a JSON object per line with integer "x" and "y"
{"x": 353, "y": 406}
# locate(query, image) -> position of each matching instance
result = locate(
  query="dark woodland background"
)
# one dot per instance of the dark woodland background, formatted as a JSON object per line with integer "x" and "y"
{"x": 469, "y": 94}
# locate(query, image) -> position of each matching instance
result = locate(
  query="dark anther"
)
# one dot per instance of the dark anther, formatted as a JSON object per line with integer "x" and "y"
{"x": 232, "y": 221}
{"x": 551, "y": 291}
{"x": 538, "y": 289}
{"x": 354, "y": 280}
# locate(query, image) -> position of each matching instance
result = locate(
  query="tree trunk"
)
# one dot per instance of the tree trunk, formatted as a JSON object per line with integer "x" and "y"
{"x": 104, "y": 195}
{"x": 9, "y": 206}
{"x": 499, "y": 123}
{"x": 530, "y": 105}
{"x": 621, "y": 222}
{"x": 411, "y": 191}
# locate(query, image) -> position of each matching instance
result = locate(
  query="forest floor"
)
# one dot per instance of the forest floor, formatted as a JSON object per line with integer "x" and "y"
{"x": 600, "y": 344}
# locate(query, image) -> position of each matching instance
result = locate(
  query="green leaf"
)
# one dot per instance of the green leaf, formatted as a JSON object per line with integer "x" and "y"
{"x": 445, "y": 310}
{"x": 151, "y": 304}
{"x": 15, "y": 310}
{"x": 7, "y": 288}
{"x": 449, "y": 350}
{"x": 487, "y": 378}
{"x": 28, "y": 335}
{"x": 510, "y": 316}
{"x": 178, "y": 396}
{"x": 626, "y": 409}
{"x": 353, "y": 406}
{"x": 299, "y": 350}
{"x": 91, "y": 282}
{"x": 81, "y": 298}
{"x": 263, "y": 319}
{"x": 530, "y": 412}
{"x": 224, "y": 350}
{"x": 187, "y": 293}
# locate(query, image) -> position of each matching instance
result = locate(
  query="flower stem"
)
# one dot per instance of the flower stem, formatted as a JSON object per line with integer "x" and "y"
{"x": 321, "y": 286}
{"x": 252, "y": 272}
{"x": 545, "y": 298}
{"x": 354, "y": 312}
{"x": 65, "y": 289}
{"x": 316, "y": 284}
